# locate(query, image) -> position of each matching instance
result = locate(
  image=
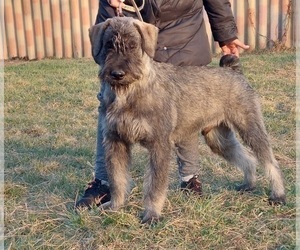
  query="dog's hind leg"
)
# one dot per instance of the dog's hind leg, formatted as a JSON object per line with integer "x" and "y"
{"x": 223, "y": 142}
{"x": 254, "y": 134}
{"x": 156, "y": 180}
{"x": 117, "y": 161}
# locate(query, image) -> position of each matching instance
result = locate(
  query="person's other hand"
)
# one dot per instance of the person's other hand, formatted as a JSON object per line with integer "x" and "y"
{"x": 233, "y": 47}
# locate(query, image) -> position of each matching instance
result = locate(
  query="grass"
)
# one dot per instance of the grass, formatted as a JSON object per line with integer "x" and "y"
{"x": 50, "y": 137}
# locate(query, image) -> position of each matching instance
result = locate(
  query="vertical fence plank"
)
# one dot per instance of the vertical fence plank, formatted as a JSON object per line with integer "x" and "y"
{"x": 93, "y": 10}
{"x": 85, "y": 17}
{"x": 2, "y": 37}
{"x": 10, "y": 29}
{"x": 251, "y": 24}
{"x": 29, "y": 29}
{"x": 273, "y": 33}
{"x": 286, "y": 23}
{"x": 66, "y": 24}
{"x": 20, "y": 31}
{"x": 240, "y": 20}
{"x": 263, "y": 24}
{"x": 47, "y": 28}
{"x": 76, "y": 29}
{"x": 294, "y": 25}
{"x": 4, "y": 44}
{"x": 38, "y": 29}
{"x": 57, "y": 29}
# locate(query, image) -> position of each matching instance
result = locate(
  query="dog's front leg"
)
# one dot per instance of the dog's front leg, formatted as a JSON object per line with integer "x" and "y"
{"x": 117, "y": 161}
{"x": 156, "y": 181}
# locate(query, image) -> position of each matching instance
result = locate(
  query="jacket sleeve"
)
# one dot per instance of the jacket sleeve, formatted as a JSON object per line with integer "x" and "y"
{"x": 221, "y": 20}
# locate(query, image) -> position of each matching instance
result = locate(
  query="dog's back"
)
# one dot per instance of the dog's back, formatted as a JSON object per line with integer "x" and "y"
{"x": 202, "y": 95}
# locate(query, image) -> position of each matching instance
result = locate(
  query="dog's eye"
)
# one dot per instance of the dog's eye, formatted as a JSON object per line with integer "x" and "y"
{"x": 132, "y": 45}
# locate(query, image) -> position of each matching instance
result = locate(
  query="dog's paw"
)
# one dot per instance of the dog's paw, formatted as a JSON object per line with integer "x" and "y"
{"x": 277, "y": 200}
{"x": 150, "y": 217}
{"x": 245, "y": 188}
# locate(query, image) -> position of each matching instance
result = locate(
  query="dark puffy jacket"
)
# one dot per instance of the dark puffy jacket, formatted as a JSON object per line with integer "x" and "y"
{"x": 182, "y": 38}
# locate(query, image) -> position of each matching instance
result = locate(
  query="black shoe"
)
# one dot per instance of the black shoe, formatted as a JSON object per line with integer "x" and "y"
{"x": 193, "y": 185}
{"x": 96, "y": 194}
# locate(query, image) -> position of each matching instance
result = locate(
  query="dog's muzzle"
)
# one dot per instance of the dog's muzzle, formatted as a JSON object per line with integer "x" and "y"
{"x": 117, "y": 74}
{"x": 115, "y": 78}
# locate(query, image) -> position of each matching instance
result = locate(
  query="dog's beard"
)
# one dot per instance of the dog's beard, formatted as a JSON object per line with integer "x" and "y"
{"x": 118, "y": 85}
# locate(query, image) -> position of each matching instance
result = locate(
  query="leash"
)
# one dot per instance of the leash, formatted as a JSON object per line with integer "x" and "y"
{"x": 133, "y": 8}
{"x": 137, "y": 11}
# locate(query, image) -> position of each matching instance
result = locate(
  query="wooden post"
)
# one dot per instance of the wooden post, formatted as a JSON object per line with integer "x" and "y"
{"x": 274, "y": 12}
{"x": 240, "y": 21}
{"x": 76, "y": 29}
{"x": 286, "y": 23}
{"x": 57, "y": 32}
{"x": 29, "y": 30}
{"x": 47, "y": 27}
{"x": 4, "y": 45}
{"x": 38, "y": 29}
{"x": 10, "y": 29}
{"x": 263, "y": 24}
{"x": 85, "y": 17}
{"x": 20, "y": 32}
{"x": 94, "y": 5}
{"x": 252, "y": 26}
{"x": 66, "y": 24}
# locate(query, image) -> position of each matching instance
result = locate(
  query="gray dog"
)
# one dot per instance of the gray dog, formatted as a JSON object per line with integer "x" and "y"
{"x": 158, "y": 105}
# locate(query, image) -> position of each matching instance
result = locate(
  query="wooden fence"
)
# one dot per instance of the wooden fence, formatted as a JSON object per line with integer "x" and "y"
{"x": 36, "y": 29}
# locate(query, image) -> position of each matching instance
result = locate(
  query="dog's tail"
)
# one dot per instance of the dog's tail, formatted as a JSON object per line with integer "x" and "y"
{"x": 231, "y": 61}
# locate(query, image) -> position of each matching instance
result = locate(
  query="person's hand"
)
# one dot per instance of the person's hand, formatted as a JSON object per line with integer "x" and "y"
{"x": 115, "y": 3}
{"x": 233, "y": 47}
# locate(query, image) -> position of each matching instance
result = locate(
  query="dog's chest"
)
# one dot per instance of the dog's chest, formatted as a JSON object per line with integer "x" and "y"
{"x": 128, "y": 124}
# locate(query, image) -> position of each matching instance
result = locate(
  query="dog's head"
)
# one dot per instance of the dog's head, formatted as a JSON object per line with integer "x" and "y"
{"x": 120, "y": 45}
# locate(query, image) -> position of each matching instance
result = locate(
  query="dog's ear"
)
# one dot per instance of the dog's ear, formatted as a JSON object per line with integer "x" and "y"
{"x": 96, "y": 33}
{"x": 149, "y": 35}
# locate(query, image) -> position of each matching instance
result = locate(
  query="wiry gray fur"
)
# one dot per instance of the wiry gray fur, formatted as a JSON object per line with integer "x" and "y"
{"x": 158, "y": 105}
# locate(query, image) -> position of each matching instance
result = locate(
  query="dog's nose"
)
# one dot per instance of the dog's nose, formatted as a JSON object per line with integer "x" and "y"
{"x": 117, "y": 74}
